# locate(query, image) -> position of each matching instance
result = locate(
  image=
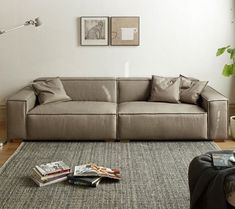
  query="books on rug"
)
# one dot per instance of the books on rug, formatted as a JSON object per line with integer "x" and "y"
{"x": 52, "y": 168}
{"x": 92, "y": 181}
{"x": 94, "y": 170}
{"x": 50, "y": 173}
{"x": 91, "y": 174}
{"x": 83, "y": 175}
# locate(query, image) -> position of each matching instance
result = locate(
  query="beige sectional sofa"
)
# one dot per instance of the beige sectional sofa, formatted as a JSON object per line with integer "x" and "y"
{"x": 115, "y": 108}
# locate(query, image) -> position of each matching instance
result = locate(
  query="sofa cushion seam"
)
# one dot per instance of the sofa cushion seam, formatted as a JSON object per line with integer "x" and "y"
{"x": 71, "y": 114}
{"x": 204, "y": 113}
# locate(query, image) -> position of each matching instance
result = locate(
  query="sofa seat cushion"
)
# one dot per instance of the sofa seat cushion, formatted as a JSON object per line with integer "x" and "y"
{"x": 164, "y": 121}
{"x": 72, "y": 120}
{"x": 132, "y": 108}
{"x": 75, "y": 108}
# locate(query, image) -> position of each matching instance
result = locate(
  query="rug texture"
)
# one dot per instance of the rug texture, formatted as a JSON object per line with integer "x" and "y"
{"x": 154, "y": 175}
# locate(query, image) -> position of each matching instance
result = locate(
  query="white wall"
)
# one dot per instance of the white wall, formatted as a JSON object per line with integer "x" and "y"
{"x": 176, "y": 37}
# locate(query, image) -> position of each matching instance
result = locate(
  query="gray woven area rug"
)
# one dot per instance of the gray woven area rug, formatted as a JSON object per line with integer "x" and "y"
{"x": 154, "y": 175}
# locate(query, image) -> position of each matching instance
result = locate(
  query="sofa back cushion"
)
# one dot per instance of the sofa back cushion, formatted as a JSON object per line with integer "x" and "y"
{"x": 89, "y": 89}
{"x": 133, "y": 89}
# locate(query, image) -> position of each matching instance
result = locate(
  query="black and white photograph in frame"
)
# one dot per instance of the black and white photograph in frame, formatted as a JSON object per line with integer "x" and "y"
{"x": 94, "y": 31}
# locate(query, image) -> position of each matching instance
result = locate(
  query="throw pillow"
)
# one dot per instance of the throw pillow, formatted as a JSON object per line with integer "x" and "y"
{"x": 165, "y": 89}
{"x": 50, "y": 91}
{"x": 191, "y": 89}
{"x": 186, "y": 81}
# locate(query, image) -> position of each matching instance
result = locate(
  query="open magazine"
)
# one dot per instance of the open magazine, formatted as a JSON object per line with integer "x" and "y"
{"x": 94, "y": 170}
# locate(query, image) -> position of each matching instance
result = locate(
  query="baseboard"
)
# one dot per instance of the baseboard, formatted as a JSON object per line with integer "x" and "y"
{"x": 2, "y": 113}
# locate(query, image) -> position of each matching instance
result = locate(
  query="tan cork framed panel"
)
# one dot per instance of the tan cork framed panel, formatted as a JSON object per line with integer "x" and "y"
{"x": 125, "y": 31}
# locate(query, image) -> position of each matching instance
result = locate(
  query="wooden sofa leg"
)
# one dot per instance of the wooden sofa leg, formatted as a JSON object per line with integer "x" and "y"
{"x": 219, "y": 140}
{"x": 125, "y": 140}
{"x": 110, "y": 140}
{"x": 15, "y": 140}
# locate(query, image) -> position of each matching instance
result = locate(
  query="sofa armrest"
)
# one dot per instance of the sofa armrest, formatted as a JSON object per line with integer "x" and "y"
{"x": 216, "y": 106}
{"x": 17, "y": 107}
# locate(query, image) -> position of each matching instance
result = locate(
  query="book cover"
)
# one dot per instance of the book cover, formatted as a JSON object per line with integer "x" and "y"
{"x": 52, "y": 168}
{"x": 94, "y": 170}
{"x": 49, "y": 177}
{"x": 44, "y": 179}
{"x": 88, "y": 182}
{"x": 222, "y": 160}
{"x": 41, "y": 184}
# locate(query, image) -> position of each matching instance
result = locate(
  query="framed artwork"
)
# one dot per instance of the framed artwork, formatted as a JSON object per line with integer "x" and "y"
{"x": 94, "y": 31}
{"x": 125, "y": 31}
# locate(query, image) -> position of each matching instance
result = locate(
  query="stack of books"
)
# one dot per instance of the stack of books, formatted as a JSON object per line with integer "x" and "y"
{"x": 50, "y": 173}
{"x": 91, "y": 175}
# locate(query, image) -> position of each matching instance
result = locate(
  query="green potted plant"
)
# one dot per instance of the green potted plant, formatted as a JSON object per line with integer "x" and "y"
{"x": 229, "y": 70}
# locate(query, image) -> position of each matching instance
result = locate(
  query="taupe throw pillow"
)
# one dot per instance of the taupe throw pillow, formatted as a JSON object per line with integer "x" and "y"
{"x": 165, "y": 89}
{"x": 191, "y": 89}
{"x": 186, "y": 81}
{"x": 50, "y": 91}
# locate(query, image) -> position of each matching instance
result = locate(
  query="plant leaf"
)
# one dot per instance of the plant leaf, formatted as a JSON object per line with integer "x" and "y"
{"x": 221, "y": 50}
{"x": 232, "y": 54}
{"x": 228, "y": 70}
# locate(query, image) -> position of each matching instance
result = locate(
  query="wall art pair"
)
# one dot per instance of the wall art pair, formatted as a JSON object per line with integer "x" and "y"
{"x": 116, "y": 31}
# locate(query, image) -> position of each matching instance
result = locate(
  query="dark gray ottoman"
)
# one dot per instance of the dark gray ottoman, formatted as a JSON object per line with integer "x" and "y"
{"x": 207, "y": 183}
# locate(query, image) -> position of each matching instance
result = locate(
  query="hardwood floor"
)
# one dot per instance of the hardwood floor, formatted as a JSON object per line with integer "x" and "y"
{"x": 8, "y": 149}
{"x": 228, "y": 144}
